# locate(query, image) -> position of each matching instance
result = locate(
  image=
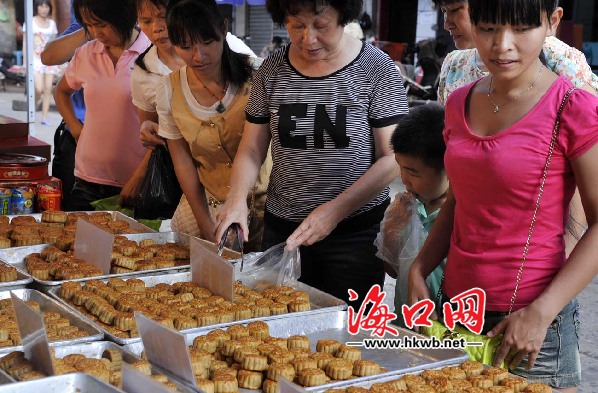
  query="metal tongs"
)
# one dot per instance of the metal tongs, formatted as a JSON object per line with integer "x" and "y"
{"x": 233, "y": 227}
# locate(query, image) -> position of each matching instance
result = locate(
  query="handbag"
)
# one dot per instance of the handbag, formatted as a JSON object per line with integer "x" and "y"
{"x": 63, "y": 163}
{"x": 485, "y": 353}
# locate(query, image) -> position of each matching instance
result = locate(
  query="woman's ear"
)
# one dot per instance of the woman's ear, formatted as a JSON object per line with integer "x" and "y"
{"x": 554, "y": 20}
{"x": 225, "y": 27}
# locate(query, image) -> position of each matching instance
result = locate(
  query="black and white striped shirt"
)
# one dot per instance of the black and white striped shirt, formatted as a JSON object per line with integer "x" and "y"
{"x": 321, "y": 127}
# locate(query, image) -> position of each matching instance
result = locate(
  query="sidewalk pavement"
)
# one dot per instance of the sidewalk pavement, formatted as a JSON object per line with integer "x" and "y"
{"x": 588, "y": 341}
{"x": 37, "y": 130}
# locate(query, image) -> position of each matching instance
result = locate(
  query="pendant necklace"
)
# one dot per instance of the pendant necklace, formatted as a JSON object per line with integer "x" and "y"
{"x": 220, "y": 108}
{"x": 496, "y": 108}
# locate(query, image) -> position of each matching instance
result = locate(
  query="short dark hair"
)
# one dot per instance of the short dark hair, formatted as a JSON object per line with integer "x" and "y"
{"x": 348, "y": 10}
{"x": 419, "y": 134}
{"x": 40, "y": 2}
{"x": 157, "y": 3}
{"x": 120, "y": 14}
{"x": 514, "y": 12}
{"x": 440, "y": 3}
{"x": 200, "y": 20}
{"x": 277, "y": 40}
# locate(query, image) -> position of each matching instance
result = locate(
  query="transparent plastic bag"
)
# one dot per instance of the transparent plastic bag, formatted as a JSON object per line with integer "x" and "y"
{"x": 401, "y": 237}
{"x": 277, "y": 264}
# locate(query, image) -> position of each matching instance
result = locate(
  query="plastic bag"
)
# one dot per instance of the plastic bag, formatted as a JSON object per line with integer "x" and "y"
{"x": 401, "y": 237}
{"x": 160, "y": 190}
{"x": 277, "y": 264}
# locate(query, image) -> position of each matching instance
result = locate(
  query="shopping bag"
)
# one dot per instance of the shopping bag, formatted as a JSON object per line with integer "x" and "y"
{"x": 160, "y": 190}
{"x": 401, "y": 237}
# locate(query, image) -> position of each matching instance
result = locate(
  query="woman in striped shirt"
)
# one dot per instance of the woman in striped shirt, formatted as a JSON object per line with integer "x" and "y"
{"x": 327, "y": 103}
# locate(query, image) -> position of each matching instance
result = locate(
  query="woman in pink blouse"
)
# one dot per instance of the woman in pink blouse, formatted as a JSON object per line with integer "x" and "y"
{"x": 108, "y": 146}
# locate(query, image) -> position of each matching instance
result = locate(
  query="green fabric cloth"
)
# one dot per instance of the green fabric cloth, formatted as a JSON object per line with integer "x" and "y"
{"x": 111, "y": 204}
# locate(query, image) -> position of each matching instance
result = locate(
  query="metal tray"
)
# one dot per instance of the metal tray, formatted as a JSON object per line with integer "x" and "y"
{"x": 22, "y": 277}
{"x": 334, "y": 326}
{"x": 5, "y": 378}
{"x": 68, "y": 383}
{"x": 133, "y": 224}
{"x": 16, "y": 257}
{"x": 320, "y": 302}
{"x": 183, "y": 239}
{"x": 95, "y": 350}
{"x": 48, "y": 304}
{"x": 384, "y": 378}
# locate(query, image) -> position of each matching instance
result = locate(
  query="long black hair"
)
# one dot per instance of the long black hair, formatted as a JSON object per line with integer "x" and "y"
{"x": 513, "y": 12}
{"x": 120, "y": 14}
{"x": 348, "y": 10}
{"x": 198, "y": 21}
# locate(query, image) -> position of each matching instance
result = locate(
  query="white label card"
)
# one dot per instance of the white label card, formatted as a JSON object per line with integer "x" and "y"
{"x": 93, "y": 245}
{"x": 33, "y": 336}
{"x": 211, "y": 271}
{"x": 165, "y": 347}
{"x": 136, "y": 382}
{"x": 285, "y": 386}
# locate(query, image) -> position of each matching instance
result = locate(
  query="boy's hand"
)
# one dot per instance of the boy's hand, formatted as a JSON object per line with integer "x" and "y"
{"x": 418, "y": 288}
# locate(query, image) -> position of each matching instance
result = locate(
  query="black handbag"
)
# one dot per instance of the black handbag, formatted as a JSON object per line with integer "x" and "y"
{"x": 63, "y": 163}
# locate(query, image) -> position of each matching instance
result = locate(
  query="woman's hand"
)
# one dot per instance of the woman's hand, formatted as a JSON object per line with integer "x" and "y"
{"x": 524, "y": 332}
{"x": 149, "y": 135}
{"x": 207, "y": 230}
{"x": 315, "y": 227}
{"x": 129, "y": 192}
{"x": 232, "y": 212}
{"x": 75, "y": 130}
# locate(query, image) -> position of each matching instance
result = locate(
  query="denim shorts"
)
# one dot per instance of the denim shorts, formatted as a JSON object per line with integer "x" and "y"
{"x": 558, "y": 363}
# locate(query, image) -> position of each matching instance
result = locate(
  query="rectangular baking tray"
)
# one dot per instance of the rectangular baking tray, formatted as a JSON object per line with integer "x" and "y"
{"x": 68, "y": 383}
{"x": 48, "y": 304}
{"x": 16, "y": 257}
{"x": 95, "y": 350}
{"x": 23, "y": 279}
{"x": 333, "y": 326}
{"x": 320, "y": 302}
{"x": 367, "y": 383}
{"x": 5, "y": 378}
{"x": 133, "y": 224}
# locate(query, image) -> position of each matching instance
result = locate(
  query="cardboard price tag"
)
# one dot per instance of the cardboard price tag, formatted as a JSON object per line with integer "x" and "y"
{"x": 288, "y": 387}
{"x": 33, "y": 336}
{"x": 93, "y": 245}
{"x": 165, "y": 347}
{"x": 211, "y": 271}
{"x": 135, "y": 382}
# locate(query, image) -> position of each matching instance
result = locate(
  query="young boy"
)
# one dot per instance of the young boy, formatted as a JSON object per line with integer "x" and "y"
{"x": 419, "y": 150}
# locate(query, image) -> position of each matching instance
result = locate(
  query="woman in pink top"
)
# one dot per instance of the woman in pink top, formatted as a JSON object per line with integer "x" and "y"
{"x": 108, "y": 146}
{"x": 498, "y": 131}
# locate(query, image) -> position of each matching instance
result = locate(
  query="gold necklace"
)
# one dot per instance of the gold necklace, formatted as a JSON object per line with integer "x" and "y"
{"x": 496, "y": 108}
{"x": 220, "y": 108}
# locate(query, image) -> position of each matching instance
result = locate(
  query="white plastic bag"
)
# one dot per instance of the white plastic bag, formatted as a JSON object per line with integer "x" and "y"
{"x": 277, "y": 264}
{"x": 401, "y": 237}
